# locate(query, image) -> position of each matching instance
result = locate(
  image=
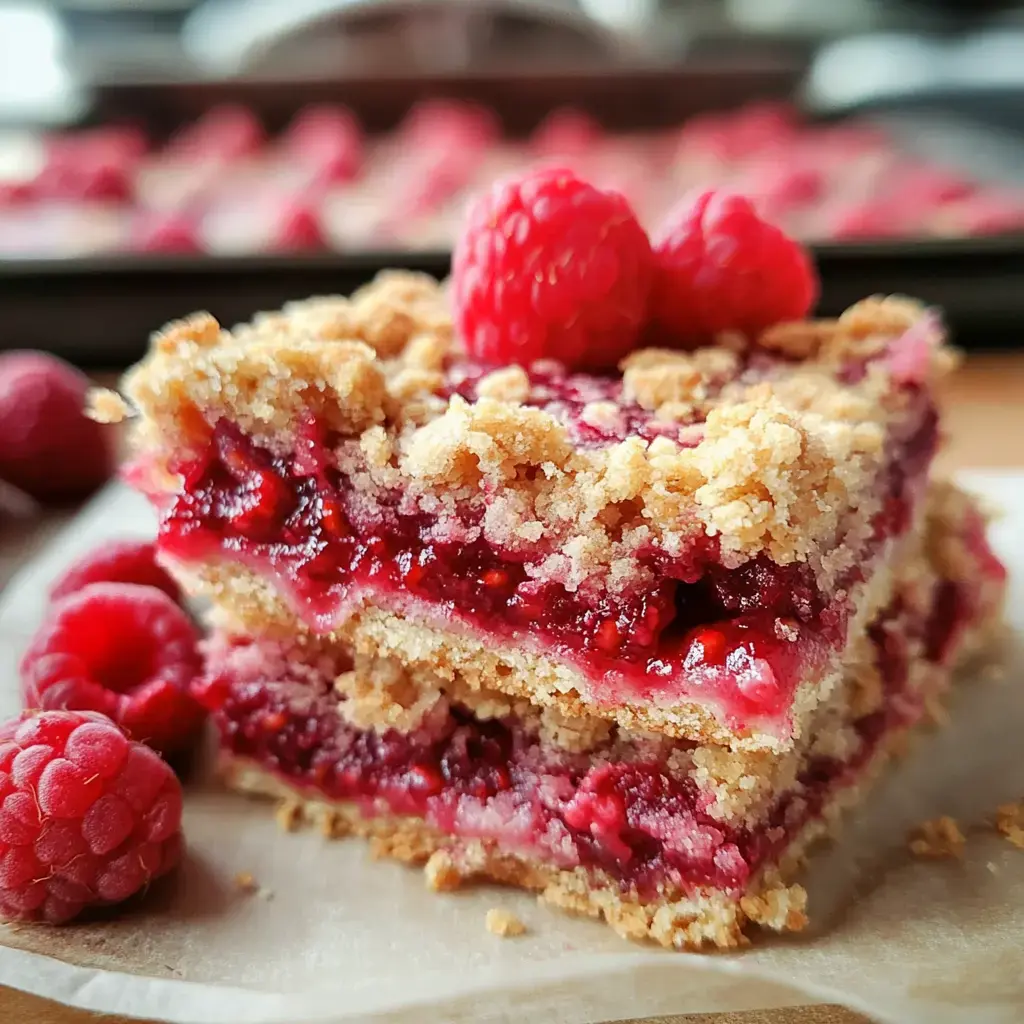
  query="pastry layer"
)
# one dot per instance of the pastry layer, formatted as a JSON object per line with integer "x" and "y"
{"x": 666, "y": 838}
{"x": 589, "y": 528}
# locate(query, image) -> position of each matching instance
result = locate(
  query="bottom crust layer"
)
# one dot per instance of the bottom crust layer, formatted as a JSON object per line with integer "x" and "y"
{"x": 701, "y": 918}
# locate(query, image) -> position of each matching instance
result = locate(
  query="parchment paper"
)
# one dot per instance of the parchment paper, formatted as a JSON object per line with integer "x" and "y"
{"x": 343, "y": 938}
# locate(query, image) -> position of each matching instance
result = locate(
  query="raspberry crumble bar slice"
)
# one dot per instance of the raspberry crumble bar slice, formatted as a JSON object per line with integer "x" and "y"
{"x": 686, "y": 546}
{"x": 665, "y": 838}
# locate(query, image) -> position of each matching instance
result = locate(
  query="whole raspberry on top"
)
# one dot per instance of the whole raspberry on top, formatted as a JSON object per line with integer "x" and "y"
{"x": 48, "y": 447}
{"x": 549, "y": 267}
{"x": 116, "y": 561}
{"x": 721, "y": 267}
{"x": 123, "y": 649}
{"x": 87, "y": 818}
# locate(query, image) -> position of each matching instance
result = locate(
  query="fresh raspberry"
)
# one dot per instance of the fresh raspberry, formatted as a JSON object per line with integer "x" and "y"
{"x": 448, "y": 124}
{"x": 720, "y": 267}
{"x": 566, "y": 133}
{"x": 173, "y": 232}
{"x": 329, "y": 141}
{"x": 298, "y": 229}
{"x": 87, "y": 818}
{"x": 551, "y": 267}
{"x": 117, "y": 561}
{"x": 223, "y": 134}
{"x": 123, "y": 649}
{"x": 87, "y": 180}
{"x": 48, "y": 448}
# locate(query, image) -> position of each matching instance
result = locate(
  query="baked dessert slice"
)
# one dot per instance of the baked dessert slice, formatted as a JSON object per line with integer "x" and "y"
{"x": 687, "y": 545}
{"x": 682, "y": 842}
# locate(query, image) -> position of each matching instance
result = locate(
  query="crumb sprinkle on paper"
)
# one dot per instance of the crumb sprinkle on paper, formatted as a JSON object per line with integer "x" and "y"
{"x": 504, "y": 923}
{"x": 937, "y": 839}
{"x": 1010, "y": 821}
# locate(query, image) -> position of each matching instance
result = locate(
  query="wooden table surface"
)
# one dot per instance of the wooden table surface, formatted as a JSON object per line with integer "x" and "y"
{"x": 985, "y": 423}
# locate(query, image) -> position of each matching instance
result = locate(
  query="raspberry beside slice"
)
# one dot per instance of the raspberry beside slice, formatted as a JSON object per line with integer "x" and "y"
{"x": 550, "y": 267}
{"x": 720, "y": 267}
{"x": 48, "y": 448}
{"x": 87, "y": 818}
{"x": 123, "y": 649}
{"x": 117, "y": 561}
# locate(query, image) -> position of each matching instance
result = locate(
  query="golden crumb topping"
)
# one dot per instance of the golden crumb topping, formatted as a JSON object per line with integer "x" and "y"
{"x": 768, "y": 456}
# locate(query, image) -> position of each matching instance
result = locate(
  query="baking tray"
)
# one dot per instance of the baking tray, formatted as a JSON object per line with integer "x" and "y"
{"x": 99, "y": 312}
{"x": 622, "y": 98}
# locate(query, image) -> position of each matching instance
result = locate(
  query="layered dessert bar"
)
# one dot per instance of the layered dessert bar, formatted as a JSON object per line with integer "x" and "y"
{"x": 668, "y": 839}
{"x": 687, "y": 546}
{"x": 604, "y": 572}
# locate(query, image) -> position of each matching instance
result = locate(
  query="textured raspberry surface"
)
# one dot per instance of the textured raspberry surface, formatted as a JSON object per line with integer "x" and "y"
{"x": 448, "y": 124}
{"x": 721, "y": 267}
{"x": 117, "y": 561}
{"x": 224, "y": 134}
{"x": 550, "y": 267}
{"x": 298, "y": 228}
{"x": 123, "y": 649}
{"x": 87, "y": 818}
{"x": 329, "y": 141}
{"x": 167, "y": 232}
{"x": 48, "y": 448}
{"x": 566, "y": 133}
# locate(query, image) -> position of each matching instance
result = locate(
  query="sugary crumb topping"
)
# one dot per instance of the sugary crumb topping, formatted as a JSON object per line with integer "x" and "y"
{"x": 766, "y": 449}
{"x": 504, "y": 923}
{"x": 1010, "y": 821}
{"x": 105, "y": 406}
{"x": 937, "y": 839}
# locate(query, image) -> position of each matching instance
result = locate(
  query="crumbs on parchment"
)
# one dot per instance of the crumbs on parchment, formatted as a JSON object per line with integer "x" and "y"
{"x": 1010, "y": 821}
{"x": 503, "y": 923}
{"x": 245, "y": 882}
{"x": 936, "y": 839}
{"x": 289, "y": 814}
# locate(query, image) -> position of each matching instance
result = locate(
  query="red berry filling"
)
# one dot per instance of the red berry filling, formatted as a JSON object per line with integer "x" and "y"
{"x": 741, "y": 638}
{"x": 123, "y": 649}
{"x": 632, "y": 816}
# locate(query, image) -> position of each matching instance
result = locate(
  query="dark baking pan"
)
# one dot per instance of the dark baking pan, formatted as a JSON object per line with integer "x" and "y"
{"x": 621, "y": 97}
{"x": 98, "y": 313}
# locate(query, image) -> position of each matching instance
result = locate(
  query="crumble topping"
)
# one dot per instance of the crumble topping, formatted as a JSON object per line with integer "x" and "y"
{"x": 787, "y": 450}
{"x": 659, "y": 378}
{"x": 777, "y": 481}
{"x": 937, "y": 839}
{"x": 503, "y": 923}
{"x": 1010, "y": 821}
{"x": 106, "y": 406}
{"x": 510, "y": 384}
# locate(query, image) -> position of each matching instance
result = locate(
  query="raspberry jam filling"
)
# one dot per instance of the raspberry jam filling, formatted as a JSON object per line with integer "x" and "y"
{"x": 741, "y": 639}
{"x": 622, "y": 810}
{"x": 571, "y": 399}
